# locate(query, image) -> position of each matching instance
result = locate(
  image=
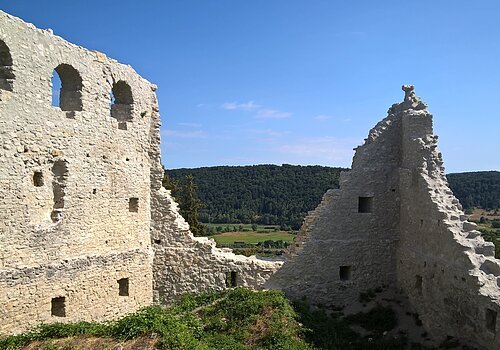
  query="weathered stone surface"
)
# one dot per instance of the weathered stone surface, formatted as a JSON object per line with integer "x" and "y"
{"x": 81, "y": 202}
{"x": 88, "y": 233}
{"x": 414, "y": 236}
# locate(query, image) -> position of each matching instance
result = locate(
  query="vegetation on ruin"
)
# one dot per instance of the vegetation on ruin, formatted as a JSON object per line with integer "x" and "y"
{"x": 189, "y": 203}
{"x": 228, "y": 320}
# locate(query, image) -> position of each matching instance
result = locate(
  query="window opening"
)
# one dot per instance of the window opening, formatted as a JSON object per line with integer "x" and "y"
{"x": 123, "y": 287}
{"x": 365, "y": 205}
{"x": 58, "y": 307}
{"x": 491, "y": 320}
{"x": 6, "y": 71}
{"x": 38, "y": 179}
{"x": 133, "y": 205}
{"x": 60, "y": 174}
{"x": 121, "y": 103}
{"x": 231, "y": 279}
{"x": 67, "y": 89}
{"x": 418, "y": 284}
{"x": 345, "y": 273}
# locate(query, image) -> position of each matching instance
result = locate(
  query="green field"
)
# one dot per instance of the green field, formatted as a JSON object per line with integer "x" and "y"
{"x": 252, "y": 237}
{"x": 243, "y": 227}
{"x": 488, "y": 229}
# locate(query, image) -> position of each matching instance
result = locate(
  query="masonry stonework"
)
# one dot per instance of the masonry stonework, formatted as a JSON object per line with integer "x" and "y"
{"x": 86, "y": 230}
{"x": 395, "y": 223}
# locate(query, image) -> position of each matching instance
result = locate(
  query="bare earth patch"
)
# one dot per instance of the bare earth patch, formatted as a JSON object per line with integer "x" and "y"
{"x": 93, "y": 343}
{"x": 477, "y": 213}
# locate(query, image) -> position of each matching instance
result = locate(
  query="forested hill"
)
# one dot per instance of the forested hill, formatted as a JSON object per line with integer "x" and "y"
{"x": 477, "y": 189}
{"x": 264, "y": 194}
{"x": 271, "y": 194}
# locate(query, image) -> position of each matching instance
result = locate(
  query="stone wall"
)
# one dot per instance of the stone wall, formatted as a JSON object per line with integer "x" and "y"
{"x": 87, "y": 232}
{"x": 74, "y": 183}
{"x": 81, "y": 203}
{"x": 412, "y": 235}
{"x": 184, "y": 263}
{"x": 448, "y": 271}
{"x": 348, "y": 244}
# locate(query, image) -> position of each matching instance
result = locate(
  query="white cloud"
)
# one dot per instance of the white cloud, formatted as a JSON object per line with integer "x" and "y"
{"x": 196, "y": 134}
{"x": 326, "y": 148}
{"x": 267, "y": 113}
{"x": 261, "y": 111}
{"x": 323, "y": 117}
{"x": 246, "y": 106}
{"x": 190, "y": 125}
{"x": 268, "y": 132}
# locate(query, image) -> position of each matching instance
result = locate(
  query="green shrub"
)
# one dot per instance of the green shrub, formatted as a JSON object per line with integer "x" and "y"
{"x": 232, "y": 319}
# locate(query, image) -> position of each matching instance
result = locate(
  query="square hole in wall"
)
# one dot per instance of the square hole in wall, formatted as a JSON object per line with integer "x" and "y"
{"x": 133, "y": 205}
{"x": 58, "y": 307}
{"x": 38, "y": 179}
{"x": 123, "y": 287}
{"x": 365, "y": 205}
{"x": 345, "y": 273}
{"x": 491, "y": 320}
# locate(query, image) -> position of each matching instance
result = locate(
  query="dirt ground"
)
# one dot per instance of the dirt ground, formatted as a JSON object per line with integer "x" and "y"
{"x": 93, "y": 343}
{"x": 477, "y": 213}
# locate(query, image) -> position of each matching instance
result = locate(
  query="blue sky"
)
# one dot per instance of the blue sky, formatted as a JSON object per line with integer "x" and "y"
{"x": 298, "y": 82}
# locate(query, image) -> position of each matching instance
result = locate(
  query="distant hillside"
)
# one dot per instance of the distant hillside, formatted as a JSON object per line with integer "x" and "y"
{"x": 477, "y": 189}
{"x": 265, "y": 194}
{"x": 271, "y": 194}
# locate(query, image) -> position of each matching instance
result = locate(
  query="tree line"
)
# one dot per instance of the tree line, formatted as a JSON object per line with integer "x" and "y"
{"x": 479, "y": 189}
{"x": 283, "y": 195}
{"x": 261, "y": 194}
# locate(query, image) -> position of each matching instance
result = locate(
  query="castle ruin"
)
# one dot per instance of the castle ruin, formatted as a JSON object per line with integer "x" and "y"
{"x": 86, "y": 230}
{"x": 88, "y": 233}
{"x": 394, "y": 222}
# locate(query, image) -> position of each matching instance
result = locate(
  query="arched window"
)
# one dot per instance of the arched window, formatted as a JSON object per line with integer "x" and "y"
{"x": 6, "y": 73}
{"x": 67, "y": 88}
{"x": 121, "y": 103}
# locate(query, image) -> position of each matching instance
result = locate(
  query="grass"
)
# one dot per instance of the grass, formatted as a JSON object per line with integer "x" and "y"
{"x": 252, "y": 237}
{"x": 488, "y": 228}
{"x": 247, "y": 227}
{"x": 232, "y": 319}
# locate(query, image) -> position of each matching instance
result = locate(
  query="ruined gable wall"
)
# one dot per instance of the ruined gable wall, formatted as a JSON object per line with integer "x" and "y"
{"x": 72, "y": 234}
{"x": 337, "y": 239}
{"x": 441, "y": 262}
{"x": 448, "y": 271}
